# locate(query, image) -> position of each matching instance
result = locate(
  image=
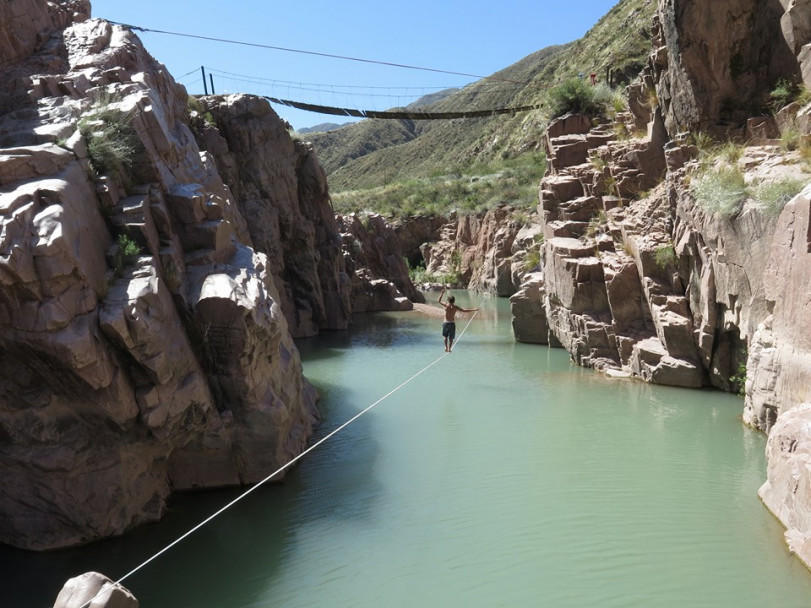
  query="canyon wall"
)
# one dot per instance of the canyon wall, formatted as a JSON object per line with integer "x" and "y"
{"x": 157, "y": 256}
{"x": 640, "y": 278}
{"x": 486, "y": 252}
{"x": 714, "y": 61}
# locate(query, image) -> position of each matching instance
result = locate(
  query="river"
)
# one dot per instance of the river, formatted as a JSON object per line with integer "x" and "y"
{"x": 503, "y": 475}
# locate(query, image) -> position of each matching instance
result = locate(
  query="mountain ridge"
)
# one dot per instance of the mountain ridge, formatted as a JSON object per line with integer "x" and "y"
{"x": 371, "y": 153}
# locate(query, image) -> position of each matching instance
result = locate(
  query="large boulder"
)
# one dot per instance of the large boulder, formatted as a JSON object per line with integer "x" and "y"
{"x": 787, "y": 490}
{"x": 94, "y": 590}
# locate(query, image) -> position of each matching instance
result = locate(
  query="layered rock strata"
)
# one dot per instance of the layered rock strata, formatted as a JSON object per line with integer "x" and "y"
{"x": 715, "y": 63}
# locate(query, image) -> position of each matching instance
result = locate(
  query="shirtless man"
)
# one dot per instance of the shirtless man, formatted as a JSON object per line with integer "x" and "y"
{"x": 449, "y": 326}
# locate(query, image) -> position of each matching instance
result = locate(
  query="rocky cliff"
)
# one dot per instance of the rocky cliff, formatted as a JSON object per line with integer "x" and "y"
{"x": 486, "y": 252}
{"x": 283, "y": 197}
{"x": 374, "y": 261}
{"x": 157, "y": 256}
{"x": 645, "y": 274}
{"x": 713, "y": 62}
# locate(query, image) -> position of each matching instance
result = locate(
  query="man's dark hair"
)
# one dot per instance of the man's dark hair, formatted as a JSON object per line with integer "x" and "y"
{"x": 451, "y": 299}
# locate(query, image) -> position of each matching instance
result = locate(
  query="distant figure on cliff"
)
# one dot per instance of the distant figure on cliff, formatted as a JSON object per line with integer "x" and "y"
{"x": 449, "y": 326}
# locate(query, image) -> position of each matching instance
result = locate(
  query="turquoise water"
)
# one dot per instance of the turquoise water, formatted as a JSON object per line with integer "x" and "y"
{"x": 501, "y": 476}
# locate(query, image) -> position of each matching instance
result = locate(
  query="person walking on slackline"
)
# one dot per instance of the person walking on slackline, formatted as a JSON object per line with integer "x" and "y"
{"x": 449, "y": 326}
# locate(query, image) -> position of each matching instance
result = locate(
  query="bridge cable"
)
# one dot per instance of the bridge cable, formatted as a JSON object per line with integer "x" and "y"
{"x": 107, "y": 588}
{"x": 330, "y": 55}
{"x": 399, "y": 114}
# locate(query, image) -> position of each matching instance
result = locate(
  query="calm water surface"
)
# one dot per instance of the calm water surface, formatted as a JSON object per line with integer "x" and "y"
{"x": 501, "y": 476}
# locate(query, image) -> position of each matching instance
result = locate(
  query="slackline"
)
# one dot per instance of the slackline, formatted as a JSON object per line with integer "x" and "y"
{"x": 107, "y": 588}
{"x": 399, "y": 114}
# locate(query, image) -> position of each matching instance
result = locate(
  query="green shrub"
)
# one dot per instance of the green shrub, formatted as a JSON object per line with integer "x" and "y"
{"x": 803, "y": 95}
{"x": 456, "y": 259}
{"x": 627, "y": 248}
{"x": 597, "y": 161}
{"x": 574, "y": 95}
{"x": 729, "y": 151}
{"x": 612, "y": 101}
{"x": 783, "y": 94}
{"x": 738, "y": 379}
{"x": 710, "y": 151}
{"x": 665, "y": 256}
{"x": 704, "y": 142}
{"x": 596, "y": 223}
{"x": 652, "y": 99}
{"x": 522, "y": 219}
{"x": 129, "y": 248}
{"x": 194, "y": 105}
{"x": 773, "y": 196}
{"x": 417, "y": 273}
{"x": 111, "y": 140}
{"x": 790, "y": 139}
{"x": 533, "y": 259}
{"x": 196, "y": 111}
{"x": 720, "y": 190}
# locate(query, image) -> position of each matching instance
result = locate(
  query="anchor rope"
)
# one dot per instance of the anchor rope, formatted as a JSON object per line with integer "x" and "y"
{"x": 117, "y": 583}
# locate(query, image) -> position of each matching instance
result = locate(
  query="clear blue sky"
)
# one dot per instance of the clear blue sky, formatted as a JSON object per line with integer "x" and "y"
{"x": 475, "y": 37}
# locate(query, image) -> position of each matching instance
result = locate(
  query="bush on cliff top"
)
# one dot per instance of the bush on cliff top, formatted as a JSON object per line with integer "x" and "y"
{"x": 773, "y": 196}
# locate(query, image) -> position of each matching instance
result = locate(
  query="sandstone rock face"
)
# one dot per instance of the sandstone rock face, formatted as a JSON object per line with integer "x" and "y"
{"x": 712, "y": 53}
{"x": 647, "y": 281}
{"x": 145, "y": 303}
{"x": 483, "y": 253}
{"x": 415, "y": 234}
{"x": 282, "y": 194}
{"x": 23, "y": 22}
{"x": 372, "y": 251}
{"x": 778, "y": 368}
